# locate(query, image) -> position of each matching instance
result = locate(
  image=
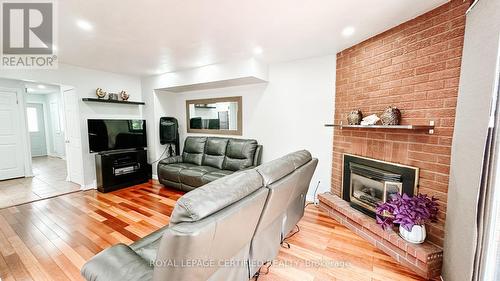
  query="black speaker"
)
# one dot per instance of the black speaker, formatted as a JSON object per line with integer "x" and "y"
{"x": 169, "y": 133}
{"x": 169, "y": 130}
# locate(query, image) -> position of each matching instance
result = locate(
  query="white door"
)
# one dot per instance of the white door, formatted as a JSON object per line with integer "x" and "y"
{"x": 73, "y": 142}
{"x": 36, "y": 128}
{"x": 11, "y": 147}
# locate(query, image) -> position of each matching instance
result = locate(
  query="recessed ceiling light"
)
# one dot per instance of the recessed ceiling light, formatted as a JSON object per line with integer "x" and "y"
{"x": 41, "y": 86}
{"x": 85, "y": 25}
{"x": 348, "y": 31}
{"x": 257, "y": 50}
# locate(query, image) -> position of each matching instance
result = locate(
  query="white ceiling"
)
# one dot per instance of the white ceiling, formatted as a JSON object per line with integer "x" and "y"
{"x": 157, "y": 36}
{"x": 41, "y": 89}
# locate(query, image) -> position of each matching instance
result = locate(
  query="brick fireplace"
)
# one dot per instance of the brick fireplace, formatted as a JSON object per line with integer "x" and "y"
{"x": 416, "y": 67}
{"x": 368, "y": 182}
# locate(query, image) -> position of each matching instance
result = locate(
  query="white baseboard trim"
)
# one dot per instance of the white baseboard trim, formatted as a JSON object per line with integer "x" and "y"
{"x": 91, "y": 186}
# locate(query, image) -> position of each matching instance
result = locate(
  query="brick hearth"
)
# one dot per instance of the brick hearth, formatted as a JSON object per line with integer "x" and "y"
{"x": 425, "y": 259}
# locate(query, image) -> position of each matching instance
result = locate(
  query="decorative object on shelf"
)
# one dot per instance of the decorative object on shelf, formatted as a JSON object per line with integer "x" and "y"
{"x": 411, "y": 213}
{"x": 113, "y": 96}
{"x": 100, "y": 93}
{"x": 354, "y": 117}
{"x": 391, "y": 116}
{"x": 124, "y": 95}
{"x": 370, "y": 120}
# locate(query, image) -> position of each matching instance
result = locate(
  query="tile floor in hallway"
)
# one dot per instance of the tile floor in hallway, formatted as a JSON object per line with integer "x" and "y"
{"x": 49, "y": 180}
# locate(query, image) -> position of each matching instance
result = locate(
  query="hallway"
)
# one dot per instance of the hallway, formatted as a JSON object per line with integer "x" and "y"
{"x": 49, "y": 180}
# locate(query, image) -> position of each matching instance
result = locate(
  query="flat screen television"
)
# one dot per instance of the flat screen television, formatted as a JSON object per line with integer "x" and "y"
{"x": 106, "y": 135}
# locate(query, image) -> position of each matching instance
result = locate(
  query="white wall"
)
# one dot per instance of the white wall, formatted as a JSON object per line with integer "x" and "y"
{"x": 85, "y": 81}
{"x": 284, "y": 115}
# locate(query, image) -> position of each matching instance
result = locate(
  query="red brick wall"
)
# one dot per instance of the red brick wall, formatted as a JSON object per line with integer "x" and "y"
{"x": 416, "y": 67}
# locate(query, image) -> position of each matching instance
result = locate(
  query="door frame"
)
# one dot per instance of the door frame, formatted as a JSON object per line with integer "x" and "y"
{"x": 45, "y": 126}
{"x": 81, "y": 182}
{"x": 21, "y": 106}
{"x": 62, "y": 121}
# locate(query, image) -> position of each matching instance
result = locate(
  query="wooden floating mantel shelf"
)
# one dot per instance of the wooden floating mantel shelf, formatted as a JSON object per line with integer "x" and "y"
{"x": 429, "y": 128}
{"x": 113, "y": 101}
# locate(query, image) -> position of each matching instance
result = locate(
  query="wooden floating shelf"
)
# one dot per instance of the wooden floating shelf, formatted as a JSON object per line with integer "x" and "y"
{"x": 112, "y": 101}
{"x": 429, "y": 128}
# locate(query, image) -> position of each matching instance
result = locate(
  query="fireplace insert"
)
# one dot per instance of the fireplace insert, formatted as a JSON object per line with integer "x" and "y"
{"x": 369, "y": 182}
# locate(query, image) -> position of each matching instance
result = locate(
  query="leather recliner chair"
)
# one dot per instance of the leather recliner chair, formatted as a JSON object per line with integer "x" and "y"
{"x": 220, "y": 231}
{"x": 205, "y": 159}
{"x": 287, "y": 179}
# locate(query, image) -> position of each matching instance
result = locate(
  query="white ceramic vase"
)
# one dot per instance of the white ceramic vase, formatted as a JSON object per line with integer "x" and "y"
{"x": 416, "y": 235}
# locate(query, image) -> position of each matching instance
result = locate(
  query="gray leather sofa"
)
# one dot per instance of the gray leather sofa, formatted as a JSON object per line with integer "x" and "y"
{"x": 205, "y": 159}
{"x": 223, "y": 230}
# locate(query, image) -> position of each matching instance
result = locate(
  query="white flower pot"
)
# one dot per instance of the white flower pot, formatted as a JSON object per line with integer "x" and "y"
{"x": 416, "y": 235}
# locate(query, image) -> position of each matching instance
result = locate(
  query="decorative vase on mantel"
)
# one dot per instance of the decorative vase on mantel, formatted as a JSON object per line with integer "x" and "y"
{"x": 354, "y": 117}
{"x": 391, "y": 116}
{"x": 416, "y": 235}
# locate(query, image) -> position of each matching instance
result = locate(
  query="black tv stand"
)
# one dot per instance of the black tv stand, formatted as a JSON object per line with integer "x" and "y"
{"x": 119, "y": 169}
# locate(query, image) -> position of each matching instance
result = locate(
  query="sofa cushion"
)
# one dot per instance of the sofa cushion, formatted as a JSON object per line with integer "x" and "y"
{"x": 193, "y": 150}
{"x": 239, "y": 154}
{"x": 275, "y": 170}
{"x": 210, "y": 177}
{"x": 214, "y": 152}
{"x": 171, "y": 172}
{"x": 193, "y": 175}
{"x": 215, "y": 196}
{"x": 170, "y": 160}
{"x": 299, "y": 158}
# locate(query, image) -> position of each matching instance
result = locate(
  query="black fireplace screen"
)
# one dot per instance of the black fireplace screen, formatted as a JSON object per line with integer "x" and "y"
{"x": 368, "y": 182}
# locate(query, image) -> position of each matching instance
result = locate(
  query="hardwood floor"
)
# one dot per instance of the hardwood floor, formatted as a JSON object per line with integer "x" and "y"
{"x": 51, "y": 239}
{"x": 326, "y": 250}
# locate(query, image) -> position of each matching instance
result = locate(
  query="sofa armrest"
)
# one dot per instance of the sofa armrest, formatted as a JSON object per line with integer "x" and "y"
{"x": 258, "y": 156}
{"x": 171, "y": 160}
{"x": 118, "y": 263}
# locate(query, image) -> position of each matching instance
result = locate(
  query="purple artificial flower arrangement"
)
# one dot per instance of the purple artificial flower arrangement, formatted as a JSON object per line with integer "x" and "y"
{"x": 407, "y": 211}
